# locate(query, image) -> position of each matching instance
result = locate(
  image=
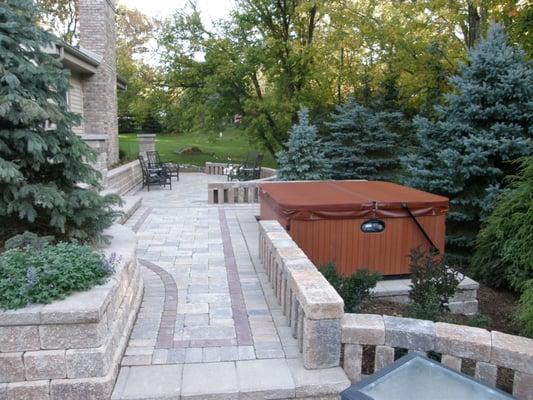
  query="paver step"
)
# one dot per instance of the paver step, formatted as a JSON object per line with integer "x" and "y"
{"x": 253, "y": 379}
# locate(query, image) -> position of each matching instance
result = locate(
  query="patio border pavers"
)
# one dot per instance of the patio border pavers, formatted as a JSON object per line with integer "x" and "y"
{"x": 240, "y": 316}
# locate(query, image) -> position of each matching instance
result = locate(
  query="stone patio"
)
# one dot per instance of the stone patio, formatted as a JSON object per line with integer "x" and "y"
{"x": 209, "y": 324}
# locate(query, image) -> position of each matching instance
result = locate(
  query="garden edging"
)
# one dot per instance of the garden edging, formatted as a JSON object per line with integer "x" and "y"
{"x": 72, "y": 348}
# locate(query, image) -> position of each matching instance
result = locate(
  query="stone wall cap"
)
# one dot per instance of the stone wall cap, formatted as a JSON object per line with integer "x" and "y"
{"x": 514, "y": 352}
{"x": 121, "y": 169}
{"x": 364, "y": 329}
{"x": 146, "y": 135}
{"x": 463, "y": 341}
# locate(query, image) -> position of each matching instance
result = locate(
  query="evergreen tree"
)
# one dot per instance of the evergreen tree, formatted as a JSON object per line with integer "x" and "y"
{"x": 304, "y": 158}
{"x": 484, "y": 125}
{"x": 45, "y": 183}
{"x": 362, "y": 144}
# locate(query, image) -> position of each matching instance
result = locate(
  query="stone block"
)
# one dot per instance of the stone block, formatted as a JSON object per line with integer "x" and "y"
{"x": 366, "y": 329}
{"x": 317, "y": 383}
{"x": 19, "y": 338}
{"x": 384, "y": 356}
{"x": 514, "y": 352}
{"x": 45, "y": 364}
{"x": 11, "y": 367}
{"x": 468, "y": 307}
{"x": 321, "y": 346}
{"x": 254, "y": 383}
{"x": 30, "y": 315}
{"x": 463, "y": 341}
{"x": 82, "y": 389}
{"x": 452, "y": 362}
{"x": 75, "y": 336}
{"x": 409, "y": 333}
{"x": 85, "y": 363}
{"x": 523, "y": 386}
{"x": 318, "y": 298}
{"x": 487, "y": 373}
{"x": 3, "y": 391}
{"x": 353, "y": 361}
{"x": 35, "y": 390}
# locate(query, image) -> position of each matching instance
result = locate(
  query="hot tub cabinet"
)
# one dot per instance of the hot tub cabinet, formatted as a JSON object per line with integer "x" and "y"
{"x": 357, "y": 224}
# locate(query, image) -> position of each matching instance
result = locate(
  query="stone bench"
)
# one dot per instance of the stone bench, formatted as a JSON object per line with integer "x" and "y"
{"x": 71, "y": 349}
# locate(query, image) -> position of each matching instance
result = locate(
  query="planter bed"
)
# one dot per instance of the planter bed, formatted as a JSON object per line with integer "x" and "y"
{"x": 71, "y": 349}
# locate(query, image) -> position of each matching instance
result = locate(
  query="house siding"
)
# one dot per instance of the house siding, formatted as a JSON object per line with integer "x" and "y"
{"x": 76, "y": 99}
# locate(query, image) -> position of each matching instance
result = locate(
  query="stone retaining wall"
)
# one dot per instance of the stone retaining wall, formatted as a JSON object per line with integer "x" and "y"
{"x": 122, "y": 179}
{"x": 380, "y": 336}
{"x": 71, "y": 349}
{"x": 312, "y": 306}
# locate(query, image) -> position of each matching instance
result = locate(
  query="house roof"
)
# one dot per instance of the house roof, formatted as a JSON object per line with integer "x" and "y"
{"x": 81, "y": 60}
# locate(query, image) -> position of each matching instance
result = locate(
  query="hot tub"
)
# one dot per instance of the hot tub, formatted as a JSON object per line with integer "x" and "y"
{"x": 357, "y": 224}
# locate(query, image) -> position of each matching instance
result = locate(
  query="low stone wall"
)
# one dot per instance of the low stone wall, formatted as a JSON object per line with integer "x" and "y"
{"x": 122, "y": 179}
{"x": 381, "y": 335}
{"x": 235, "y": 192}
{"x": 312, "y": 306}
{"x": 212, "y": 168}
{"x": 71, "y": 349}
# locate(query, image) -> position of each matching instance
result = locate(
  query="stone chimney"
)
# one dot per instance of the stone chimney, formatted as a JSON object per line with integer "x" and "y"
{"x": 97, "y": 34}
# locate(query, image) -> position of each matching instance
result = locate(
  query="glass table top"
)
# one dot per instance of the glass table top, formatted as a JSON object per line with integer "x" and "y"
{"x": 417, "y": 378}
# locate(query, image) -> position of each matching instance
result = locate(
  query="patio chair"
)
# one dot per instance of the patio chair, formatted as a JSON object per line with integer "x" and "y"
{"x": 154, "y": 176}
{"x": 154, "y": 161}
{"x": 249, "y": 170}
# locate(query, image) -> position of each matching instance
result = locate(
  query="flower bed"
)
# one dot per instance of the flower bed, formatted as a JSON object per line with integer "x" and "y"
{"x": 72, "y": 348}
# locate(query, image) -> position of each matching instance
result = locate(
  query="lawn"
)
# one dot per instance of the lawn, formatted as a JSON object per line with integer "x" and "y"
{"x": 231, "y": 147}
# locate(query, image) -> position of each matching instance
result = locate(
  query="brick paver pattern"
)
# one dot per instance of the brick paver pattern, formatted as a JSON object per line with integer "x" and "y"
{"x": 206, "y": 296}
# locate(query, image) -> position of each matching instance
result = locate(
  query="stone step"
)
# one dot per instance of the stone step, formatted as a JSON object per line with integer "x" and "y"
{"x": 253, "y": 379}
{"x": 130, "y": 204}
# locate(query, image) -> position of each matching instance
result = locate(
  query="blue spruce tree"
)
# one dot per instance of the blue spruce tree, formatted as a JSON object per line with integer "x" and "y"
{"x": 45, "y": 183}
{"x": 362, "y": 144}
{"x": 304, "y": 157}
{"x": 486, "y": 123}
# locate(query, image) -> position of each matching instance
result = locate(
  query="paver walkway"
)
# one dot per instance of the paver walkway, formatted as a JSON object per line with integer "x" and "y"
{"x": 209, "y": 324}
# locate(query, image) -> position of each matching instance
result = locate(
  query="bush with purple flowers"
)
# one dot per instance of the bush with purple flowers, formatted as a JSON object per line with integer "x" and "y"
{"x": 30, "y": 276}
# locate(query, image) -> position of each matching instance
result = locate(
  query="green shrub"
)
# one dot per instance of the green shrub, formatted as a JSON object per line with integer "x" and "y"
{"x": 29, "y": 276}
{"x": 354, "y": 289}
{"x": 28, "y": 239}
{"x": 432, "y": 285}
{"x": 504, "y": 250}
{"x": 525, "y": 309}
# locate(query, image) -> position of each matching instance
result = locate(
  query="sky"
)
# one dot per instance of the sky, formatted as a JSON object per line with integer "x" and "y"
{"x": 210, "y": 9}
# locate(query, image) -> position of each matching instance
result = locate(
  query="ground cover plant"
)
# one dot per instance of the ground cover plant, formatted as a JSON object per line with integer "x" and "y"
{"x": 31, "y": 275}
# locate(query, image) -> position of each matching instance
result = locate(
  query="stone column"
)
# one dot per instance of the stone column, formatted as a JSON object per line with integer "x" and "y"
{"x": 97, "y": 34}
{"x": 146, "y": 143}
{"x": 99, "y": 144}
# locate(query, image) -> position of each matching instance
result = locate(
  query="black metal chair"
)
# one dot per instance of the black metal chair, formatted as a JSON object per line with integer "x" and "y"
{"x": 154, "y": 176}
{"x": 249, "y": 170}
{"x": 154, "y": 161}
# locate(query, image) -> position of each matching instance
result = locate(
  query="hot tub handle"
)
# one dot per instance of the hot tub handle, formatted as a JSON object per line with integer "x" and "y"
{"x": 421, "y": 228}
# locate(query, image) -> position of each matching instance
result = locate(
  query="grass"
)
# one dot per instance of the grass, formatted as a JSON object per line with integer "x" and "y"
{"x": 232, "y": 147}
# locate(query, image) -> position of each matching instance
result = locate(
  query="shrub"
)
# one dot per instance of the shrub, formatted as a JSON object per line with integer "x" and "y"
{"x": 525, "y": 308}
{"x": 28, "y": 239}
{"x": 432, "y": 285}
{"x": 354, "y": 289}
{"x": 504, "y": 250}
{"x": 30, "y": 276}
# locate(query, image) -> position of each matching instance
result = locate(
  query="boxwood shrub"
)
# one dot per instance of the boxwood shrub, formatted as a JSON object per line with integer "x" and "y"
{"x": 40, "y": 275}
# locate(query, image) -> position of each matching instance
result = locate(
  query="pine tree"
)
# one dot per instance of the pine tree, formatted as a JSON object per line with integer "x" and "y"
{"x": 486, "y": 123}
{"x": 304, "y": 159}
{"x": 362, "y": 144}
{"x": 45, "y": 183}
